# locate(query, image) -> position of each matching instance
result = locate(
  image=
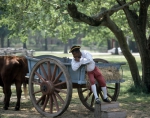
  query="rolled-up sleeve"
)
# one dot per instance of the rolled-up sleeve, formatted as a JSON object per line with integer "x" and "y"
{"x": 84, "y": 60}
{"x": 75, "y": 65}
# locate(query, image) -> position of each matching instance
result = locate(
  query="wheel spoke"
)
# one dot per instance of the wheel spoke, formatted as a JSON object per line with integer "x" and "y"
{"x": 43, "y": 99}
{"x": 58, "y": 77}
{"x": 60, "y": 90}
{"x": 60, "y": 83}
{"x": 59, "y": 97}
{"x": 36, "y": 92}
{"x": 110, "y": 95}
{"x": 44, "y": 72}
{"x": 39, "y": 99}
{"x": 55, "y": 102}
{"x": 40, "y": 76}
{"x": 108, "y": 87}
{"x": 88, "y": 95}
{"x": 49, "y": 70}
{"x": 36, "y": 83}
{"x": 45, "y": 102}
{"x": 54, "y": 72}
{"x": 51, "y": 104}
{"x": 84, "y": 90}
{"x": 100, "y": 92}
{"x": 92, "y": 101}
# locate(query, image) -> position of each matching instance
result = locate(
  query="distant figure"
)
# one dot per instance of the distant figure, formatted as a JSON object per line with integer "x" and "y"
{"x": 84, "y": 57}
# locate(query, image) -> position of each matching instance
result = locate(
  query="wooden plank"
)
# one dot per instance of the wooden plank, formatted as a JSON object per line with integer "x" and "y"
{"x": 114, "y": 114}
{"x": 112, "y": 105}
{"x": 97, "y": 111}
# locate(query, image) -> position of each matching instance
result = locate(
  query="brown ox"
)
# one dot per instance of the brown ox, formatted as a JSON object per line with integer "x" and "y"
{"x": 12, "y": 71}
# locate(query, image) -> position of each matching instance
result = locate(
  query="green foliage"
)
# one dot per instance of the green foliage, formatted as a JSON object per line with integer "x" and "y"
{"x": 49, "y": 16}
{"x": 97, "y": 36}
{"x": 20, "y": 16}
{"x": 136, "y": 90}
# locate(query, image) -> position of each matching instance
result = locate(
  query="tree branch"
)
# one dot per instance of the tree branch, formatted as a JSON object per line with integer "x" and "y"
{"x": 78, "y": 16}
{"x": 95, "y": 20}
{"x": 143, "y": 15}
{"x": 114, "y": 9}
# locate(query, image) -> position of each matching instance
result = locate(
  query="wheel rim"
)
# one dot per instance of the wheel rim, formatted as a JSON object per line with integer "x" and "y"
{"x": 50, "y": 87}
{"x": 113, "y": 90}
{"x": 87, "y": 97}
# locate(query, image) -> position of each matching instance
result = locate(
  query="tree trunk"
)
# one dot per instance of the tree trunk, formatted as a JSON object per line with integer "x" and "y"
{"x": 24, "y": 45}
{"x": 139, "y": 31}
{"x": 8, "y": 43}
{"x": 65, "y": 48}
{"x": 116, "y": 46}
{"x": 108, "y": 44}
{"x": 70, "y": 43}
{"x": 45, "y": 44}
{"x": 2, "y": 41}
{"x": 125, "y": 50}
{"x": 146, "y": 73}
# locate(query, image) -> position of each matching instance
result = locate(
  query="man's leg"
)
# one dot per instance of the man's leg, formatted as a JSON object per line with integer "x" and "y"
{"x": 93, "y": 87}
{"x": 102, "y": 83}
{"x": 104, "y": 92}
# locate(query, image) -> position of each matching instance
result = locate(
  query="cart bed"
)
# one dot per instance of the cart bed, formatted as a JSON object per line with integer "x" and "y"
{"x": 78, "y": 76}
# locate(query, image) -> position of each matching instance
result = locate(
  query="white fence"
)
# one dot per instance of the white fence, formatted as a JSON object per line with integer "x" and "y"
{"x": 16, "y": 51}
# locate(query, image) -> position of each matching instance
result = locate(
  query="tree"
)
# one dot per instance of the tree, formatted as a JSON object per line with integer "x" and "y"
{"x": 3, "y": 30}
{"x": 137, "y": 19}
{"x": 114, "y": 15}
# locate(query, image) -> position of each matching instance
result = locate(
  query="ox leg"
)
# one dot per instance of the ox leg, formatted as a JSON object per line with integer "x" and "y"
{"x": 7, "y": 92}
{"x": 18, "y": 91}
{"x": 4, "y": 96}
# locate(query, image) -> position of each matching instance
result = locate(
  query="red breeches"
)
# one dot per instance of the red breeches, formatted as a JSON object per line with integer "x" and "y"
{"x": 96, "y": 74}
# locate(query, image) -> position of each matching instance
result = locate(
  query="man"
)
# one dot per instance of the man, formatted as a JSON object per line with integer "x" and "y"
{"x": 84, "y": 57}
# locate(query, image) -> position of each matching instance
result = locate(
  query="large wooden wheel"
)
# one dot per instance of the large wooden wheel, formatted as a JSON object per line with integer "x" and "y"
{"x": 87, "y": 97}
{"x": 50, "y": 87}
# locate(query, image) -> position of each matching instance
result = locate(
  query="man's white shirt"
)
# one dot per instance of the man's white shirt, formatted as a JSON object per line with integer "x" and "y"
{"x": 86, "y": 58}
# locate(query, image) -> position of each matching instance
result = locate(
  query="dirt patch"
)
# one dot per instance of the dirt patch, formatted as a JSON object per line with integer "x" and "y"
{"x": 75, "y": 110}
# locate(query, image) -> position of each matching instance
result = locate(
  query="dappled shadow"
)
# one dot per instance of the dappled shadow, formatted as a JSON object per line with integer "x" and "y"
{"x": 75, "y": 109}
{"x": 136, "y": 105}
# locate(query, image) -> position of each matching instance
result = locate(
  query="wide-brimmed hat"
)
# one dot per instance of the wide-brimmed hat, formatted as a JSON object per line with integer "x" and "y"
{"x": 74, "y": 47}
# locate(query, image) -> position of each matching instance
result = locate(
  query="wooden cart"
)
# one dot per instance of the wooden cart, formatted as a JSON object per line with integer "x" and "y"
{"x": 51, "y": 80}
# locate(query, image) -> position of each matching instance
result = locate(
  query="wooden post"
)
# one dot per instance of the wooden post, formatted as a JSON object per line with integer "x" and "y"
{"x": 97, "y": 111}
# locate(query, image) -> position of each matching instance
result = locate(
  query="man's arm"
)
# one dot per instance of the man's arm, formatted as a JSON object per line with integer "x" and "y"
{"x": 87, "y": 58}
{"x": 84, "y": 60}
{"x": 75, "y": 64}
